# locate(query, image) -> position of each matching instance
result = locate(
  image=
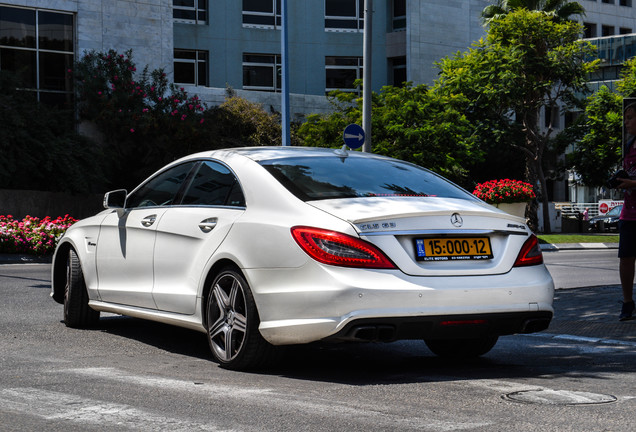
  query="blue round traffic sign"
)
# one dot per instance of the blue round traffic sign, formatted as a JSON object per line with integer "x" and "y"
{"x": 353, "y": 136}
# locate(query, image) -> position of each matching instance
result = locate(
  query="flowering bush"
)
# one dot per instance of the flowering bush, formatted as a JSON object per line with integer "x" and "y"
{"x": 32, "y": 235}
{"x": 504, "y": 191}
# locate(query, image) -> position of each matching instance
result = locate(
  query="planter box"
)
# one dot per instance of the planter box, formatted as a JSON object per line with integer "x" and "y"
{"x": 515, "y": 209}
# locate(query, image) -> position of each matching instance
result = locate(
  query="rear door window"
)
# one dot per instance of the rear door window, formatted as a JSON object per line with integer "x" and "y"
{"x": 214, "y": 185}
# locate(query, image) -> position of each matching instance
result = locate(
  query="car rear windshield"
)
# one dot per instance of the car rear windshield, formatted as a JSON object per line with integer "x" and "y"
{"x": 327, "y": 177}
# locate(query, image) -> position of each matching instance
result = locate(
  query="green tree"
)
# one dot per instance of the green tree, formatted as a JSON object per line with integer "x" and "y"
{"x": 598, "y": 152}
{"x": 145, "y": 122}
{"x": 412, "y": 123}
{"x": 528, "y": 62}
{"x": 561, "y": 10}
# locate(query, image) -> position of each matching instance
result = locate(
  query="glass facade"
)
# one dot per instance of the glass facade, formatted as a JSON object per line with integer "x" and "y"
{"x": 399, "y": 15}
{"x": 615, "y": 50}
{"x": 342, "y": 72}
{"x": 262, "y": 13}
{"x": 344, "y": 15}
{"x": 262, "y": 72}
{"x": 38, "y": 47}
{"x": 191, "y": 67}
{"x": 190, "y": 11}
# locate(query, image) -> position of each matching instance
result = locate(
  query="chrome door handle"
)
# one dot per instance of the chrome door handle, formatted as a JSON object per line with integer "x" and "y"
{"x": 148, "y": 220}
{"x": 208, "y": 225}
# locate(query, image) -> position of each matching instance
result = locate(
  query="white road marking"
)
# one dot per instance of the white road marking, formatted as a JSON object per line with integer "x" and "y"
{"x": 58, "y": 406}
{"x": 269, "y": 398}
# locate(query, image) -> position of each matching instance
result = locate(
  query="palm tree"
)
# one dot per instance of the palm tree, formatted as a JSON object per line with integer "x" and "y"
{"x": 562, "y": 10}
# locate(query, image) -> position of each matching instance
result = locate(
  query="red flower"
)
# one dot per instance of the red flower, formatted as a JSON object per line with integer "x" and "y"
{"x": 504, "y": 191}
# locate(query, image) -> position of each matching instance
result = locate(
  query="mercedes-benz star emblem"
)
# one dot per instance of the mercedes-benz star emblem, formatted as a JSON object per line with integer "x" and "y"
{"x": 457, "y": 220}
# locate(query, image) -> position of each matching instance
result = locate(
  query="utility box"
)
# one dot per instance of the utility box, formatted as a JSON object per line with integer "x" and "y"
{"x": 554, "y": 215}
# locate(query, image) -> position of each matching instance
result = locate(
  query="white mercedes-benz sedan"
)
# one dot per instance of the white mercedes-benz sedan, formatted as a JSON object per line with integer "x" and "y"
{"x": 267, "y": 246}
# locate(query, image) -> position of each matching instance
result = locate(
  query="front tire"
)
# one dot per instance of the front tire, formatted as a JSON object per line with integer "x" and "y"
{"x": 232, "y": 323}
{"x": 77, "y": 313}
{"x": 461, "y": 348}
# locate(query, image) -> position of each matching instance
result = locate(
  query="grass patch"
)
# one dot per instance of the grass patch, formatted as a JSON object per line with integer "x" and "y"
{"x": 576, "y": 238}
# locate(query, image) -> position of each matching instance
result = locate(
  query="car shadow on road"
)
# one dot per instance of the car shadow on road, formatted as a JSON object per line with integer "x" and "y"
{"x": 403, "y": 362}
{"x": 163, "y": 336}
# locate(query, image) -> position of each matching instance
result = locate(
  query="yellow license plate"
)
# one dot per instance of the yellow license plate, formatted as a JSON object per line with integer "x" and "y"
{"x": 452, "y": 248}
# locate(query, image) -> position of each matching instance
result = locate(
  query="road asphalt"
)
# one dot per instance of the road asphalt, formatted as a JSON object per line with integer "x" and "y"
{"x": 588, "y": 314}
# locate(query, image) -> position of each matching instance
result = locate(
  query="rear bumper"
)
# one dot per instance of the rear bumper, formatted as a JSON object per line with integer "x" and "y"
{"x": 442, "y": 327}
{"x": 327, "y": 303}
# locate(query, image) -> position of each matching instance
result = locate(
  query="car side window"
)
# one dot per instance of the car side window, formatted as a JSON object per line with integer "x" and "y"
{"x": 214, "y": 184}
{"x": 161, "y": 189}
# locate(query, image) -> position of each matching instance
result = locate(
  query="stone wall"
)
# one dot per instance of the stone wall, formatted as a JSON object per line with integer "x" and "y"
{"x": 20, "y": 203}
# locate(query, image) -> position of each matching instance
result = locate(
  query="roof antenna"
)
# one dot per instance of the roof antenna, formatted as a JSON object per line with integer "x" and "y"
{"x": 342, "y": 152}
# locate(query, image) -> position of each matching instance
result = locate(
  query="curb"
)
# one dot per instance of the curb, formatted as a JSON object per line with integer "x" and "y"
{"x": 548, "y": 247}
{"x": 25, "y": 259}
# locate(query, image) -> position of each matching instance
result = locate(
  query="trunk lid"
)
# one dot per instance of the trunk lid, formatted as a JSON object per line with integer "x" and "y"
{"x": 432, "y": 236}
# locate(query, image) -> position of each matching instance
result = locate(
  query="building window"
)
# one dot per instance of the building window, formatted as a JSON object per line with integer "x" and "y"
{"x": 551, "y": 117}
{"x": 262, "y": 72}
{"x": 607, "y": 30}
{"x": 342, "y": 72}
{"x": 589, "y": 30}
{"x": 344, "y": 15}
{"x": 398, "y": 71}
{"x": 608, "y": 1}
{"x": 399, "y": 15}
{"x": 625, "y": 30}
{"x": 262, "y": 13}
{"x": 190, "y": 11}
{"x": 37, "y": 46}
{"x": 627, "y": 3}
{"x": 191, "y": 67}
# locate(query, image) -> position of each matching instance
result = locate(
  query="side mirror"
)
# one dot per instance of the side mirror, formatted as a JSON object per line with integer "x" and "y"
{"x": 115, "y": 199}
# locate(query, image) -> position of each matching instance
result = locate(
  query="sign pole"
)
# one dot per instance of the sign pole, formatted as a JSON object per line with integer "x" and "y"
{"x": 366, "y": 74}
{"x": 286, "y": 139}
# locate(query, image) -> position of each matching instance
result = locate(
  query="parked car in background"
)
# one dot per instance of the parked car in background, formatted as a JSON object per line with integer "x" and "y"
{"x": 607, "y": 222}
{"x": 264, "y": 247}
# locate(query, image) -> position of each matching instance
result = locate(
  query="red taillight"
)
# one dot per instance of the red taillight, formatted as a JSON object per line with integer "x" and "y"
{"x": 530, "y": 253}
{"x": 330, "y": 247}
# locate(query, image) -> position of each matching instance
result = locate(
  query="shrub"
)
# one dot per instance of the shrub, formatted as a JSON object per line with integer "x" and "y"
{"x": 32, "y": 235}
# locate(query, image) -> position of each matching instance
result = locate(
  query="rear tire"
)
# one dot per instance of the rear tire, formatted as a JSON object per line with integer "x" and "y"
{"x": 77, "y": 313}
{"x": 461, "y": 348}
{"x": 232, "y": 323}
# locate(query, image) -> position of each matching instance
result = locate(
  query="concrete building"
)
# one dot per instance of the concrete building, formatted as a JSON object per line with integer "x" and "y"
{"x": 207, "y": 46}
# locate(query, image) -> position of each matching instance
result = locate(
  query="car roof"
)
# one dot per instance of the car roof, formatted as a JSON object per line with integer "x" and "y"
{"x": 261, "y": 153}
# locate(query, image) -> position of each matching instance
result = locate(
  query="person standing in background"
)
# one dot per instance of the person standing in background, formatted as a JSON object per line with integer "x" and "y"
{"x": 627, "y": 222}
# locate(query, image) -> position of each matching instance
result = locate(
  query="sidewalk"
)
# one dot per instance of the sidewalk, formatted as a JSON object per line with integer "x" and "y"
{"x": 591, "y": 313}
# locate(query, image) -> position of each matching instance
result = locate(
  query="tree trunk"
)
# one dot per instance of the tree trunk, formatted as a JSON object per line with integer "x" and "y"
{"x": 544, "y": 199}
{"x": 535, "y": 143}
